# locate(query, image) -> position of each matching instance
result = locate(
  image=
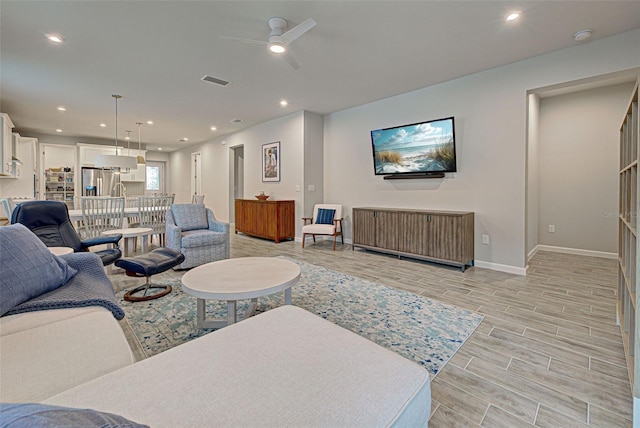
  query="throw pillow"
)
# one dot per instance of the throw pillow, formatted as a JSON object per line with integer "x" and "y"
{"x": 190, "y": 216}
{"x": 29, "y": 269}
{"x": 27, "y": 415}
{"x": 325, "y": 216}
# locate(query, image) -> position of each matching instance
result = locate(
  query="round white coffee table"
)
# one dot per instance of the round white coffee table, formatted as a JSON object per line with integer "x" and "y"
{"x": 129, "y": 236}
{"x": 238, "y": 279}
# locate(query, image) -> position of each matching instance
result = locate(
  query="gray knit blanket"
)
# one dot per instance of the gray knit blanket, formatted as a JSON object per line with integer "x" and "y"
{"x": 89, "y": 287}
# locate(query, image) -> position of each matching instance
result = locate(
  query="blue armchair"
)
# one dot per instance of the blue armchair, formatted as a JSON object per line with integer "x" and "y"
{"x": 193, "y": 230}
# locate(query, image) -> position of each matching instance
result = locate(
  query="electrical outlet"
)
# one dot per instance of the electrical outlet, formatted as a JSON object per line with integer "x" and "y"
{"x": 485, "y": 239}
{"x": 552, "y": 228}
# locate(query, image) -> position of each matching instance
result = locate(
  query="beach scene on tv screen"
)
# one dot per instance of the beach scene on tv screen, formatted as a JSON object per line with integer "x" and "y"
{"x": 422, "y": 147}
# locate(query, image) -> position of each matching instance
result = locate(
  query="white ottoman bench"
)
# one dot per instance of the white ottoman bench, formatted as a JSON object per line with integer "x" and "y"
{"x": 285, "y": 367}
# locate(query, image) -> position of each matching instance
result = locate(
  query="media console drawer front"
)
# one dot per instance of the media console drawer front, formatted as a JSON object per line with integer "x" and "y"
{"x": 273, "y": 220}
{"x": 439, "y": 236}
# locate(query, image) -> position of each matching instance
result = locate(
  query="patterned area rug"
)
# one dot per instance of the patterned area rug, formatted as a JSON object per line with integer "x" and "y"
{"x": 418, "y": 328}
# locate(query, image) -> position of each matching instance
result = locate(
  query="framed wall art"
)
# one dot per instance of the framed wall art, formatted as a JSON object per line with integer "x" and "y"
{"x": 271, "y": 161}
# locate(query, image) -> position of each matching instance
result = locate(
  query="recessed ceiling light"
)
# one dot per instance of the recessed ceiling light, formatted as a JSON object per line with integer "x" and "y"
{"x": 213, "y": 128}
{"x": 284, "y": 103}
{"x": 512, "y": 16}
{"x": 61, "y": 108}
{"x": 582, "y": 35}
{"x": 236, "y": 120}
{"x": 183, "y": 140}
{"x": 149, "y": 122}
{"x": 58, "y": 130}
{"x": 103, "y": 125}
{"x": 55, "y": 38}
{"x": 159, "y": 148}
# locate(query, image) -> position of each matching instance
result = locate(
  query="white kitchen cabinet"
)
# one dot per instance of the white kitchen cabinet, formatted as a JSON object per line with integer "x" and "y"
{"x": 88, "y": 153}
{"x": 7, "y": 167}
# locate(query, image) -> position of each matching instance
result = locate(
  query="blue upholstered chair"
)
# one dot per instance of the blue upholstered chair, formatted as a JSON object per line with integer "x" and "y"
{"x": 193, "y": 230}
{"x": 49, "y": 221}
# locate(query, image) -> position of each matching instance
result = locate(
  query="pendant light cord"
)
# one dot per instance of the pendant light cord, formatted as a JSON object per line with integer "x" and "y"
{"x": 116, "y": 97}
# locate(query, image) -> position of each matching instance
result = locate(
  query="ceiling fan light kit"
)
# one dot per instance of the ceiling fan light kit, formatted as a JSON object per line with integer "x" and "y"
{"x": 277, "y": 47}
{"x": 279, "y": 40}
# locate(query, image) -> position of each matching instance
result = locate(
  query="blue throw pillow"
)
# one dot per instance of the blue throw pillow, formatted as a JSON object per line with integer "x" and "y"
{"x": 27, "y": 415}
{"x": 325, "y": 216}
{"x": 29, "y": 269}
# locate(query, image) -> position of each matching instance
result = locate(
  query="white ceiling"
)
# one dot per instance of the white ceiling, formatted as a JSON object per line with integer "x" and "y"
{"x": 154, "y": 54}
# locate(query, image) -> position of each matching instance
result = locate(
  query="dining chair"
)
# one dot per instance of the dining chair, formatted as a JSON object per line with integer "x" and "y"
{"x": 152, "y": 212}
{"x": 100, "y": 214}
{"x": 197, "y": 199}
{"x": 7, "y": 207}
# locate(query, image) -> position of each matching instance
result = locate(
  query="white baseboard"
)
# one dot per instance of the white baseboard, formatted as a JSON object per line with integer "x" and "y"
{"x": 502, "y": 268}
{"x": 576, "y": 251}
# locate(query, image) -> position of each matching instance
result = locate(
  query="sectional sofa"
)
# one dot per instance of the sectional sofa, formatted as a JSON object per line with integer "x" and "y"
{"x": 285, "y": 367}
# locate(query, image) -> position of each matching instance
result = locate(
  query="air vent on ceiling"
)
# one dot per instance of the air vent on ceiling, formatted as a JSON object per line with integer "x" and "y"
{"x": 215, "y": 80}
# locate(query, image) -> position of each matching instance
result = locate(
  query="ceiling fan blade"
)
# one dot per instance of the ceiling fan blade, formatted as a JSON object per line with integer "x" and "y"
{"x": 240, "y": 39}
{"x": 288, "y": 56}
{"x": 298, "y": 30}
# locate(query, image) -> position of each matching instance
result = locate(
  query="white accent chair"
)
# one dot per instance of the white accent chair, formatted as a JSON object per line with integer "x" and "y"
{"x": 332, "y": 228}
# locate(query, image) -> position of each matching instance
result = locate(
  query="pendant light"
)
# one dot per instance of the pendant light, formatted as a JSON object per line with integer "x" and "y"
{"x": 125, "y": 163}
{"x": 141, "y": 160}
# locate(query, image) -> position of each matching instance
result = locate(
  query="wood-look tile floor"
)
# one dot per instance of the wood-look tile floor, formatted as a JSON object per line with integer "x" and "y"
{"x": 547, "y": 354}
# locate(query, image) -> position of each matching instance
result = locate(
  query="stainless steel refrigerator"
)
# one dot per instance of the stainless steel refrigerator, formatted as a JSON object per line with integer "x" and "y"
{"x": 100, "y": 182}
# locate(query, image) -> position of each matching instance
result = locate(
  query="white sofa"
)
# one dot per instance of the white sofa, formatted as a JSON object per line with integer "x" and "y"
{"x": 285, "y": 367}
{"x": 43, "y": 353}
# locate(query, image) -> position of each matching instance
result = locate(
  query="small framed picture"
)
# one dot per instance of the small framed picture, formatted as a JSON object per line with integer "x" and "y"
{"x": 271, "y": 161}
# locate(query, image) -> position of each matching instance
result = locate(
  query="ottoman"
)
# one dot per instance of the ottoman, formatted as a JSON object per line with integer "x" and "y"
{"x": 151, "y": 263}
{"x": 283, "y": 368}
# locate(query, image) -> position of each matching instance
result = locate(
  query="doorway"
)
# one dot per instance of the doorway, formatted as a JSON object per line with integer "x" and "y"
{"x": 236, "y": 179}
{"x": 196, "y": 173}
{"x": 155, "y": 178}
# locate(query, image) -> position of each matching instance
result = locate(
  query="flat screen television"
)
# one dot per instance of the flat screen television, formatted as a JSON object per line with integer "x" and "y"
{"x": 420, "y": 149}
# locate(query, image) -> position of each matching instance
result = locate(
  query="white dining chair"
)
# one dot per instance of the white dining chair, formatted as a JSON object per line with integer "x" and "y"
{"x": 152, "y": 212}
{"x": 7, "y": 207}
{"x": 100, "y": 214}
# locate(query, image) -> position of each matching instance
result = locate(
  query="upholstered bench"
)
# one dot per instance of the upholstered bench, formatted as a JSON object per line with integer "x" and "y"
{"x": 283, "y": 368}
{"x": 148, "y": 264}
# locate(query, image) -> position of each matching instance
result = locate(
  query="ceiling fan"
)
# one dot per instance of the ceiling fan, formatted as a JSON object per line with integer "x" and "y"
{"x": 279, "y": 40}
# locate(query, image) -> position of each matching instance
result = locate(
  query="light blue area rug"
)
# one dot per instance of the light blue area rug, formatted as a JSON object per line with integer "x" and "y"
{"x": 418, "y": 328}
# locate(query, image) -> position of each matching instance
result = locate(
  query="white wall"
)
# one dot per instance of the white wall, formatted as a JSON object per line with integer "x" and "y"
{"x": 579, "y": 163}
{"x": 490, "y": 108}
{"x": 491, "y": 130}
{"x": 313, "y": 163}
{"x": 217, "y": 156}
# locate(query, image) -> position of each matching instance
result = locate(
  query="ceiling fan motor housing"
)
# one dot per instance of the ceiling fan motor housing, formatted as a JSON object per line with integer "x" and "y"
{"x": 277, "y": 25}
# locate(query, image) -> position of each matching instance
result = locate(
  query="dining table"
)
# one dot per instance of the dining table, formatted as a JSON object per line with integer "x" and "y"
{"x": 76, "y": 214}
